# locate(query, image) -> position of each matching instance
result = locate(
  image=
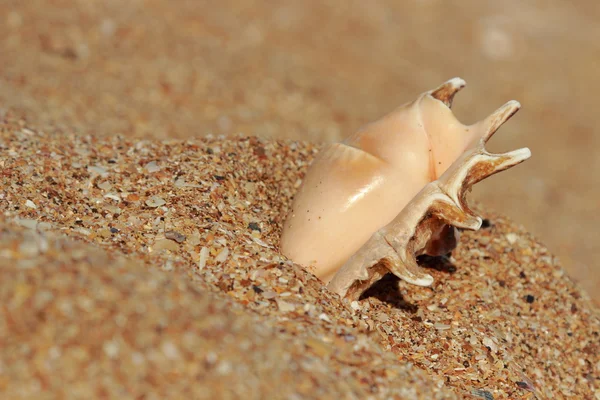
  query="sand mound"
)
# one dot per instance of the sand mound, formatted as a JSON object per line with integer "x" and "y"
{"x": 170, "y": 283}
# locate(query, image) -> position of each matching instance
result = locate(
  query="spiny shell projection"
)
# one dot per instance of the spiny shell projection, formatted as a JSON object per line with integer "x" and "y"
{"x": 392, "y": 191}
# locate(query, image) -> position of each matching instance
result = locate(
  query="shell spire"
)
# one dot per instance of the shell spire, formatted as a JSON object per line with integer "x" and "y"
{"x": 446, "y": 91}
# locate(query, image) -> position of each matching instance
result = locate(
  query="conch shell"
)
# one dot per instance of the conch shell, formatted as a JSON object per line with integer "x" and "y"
{"x": 391, "y": 191}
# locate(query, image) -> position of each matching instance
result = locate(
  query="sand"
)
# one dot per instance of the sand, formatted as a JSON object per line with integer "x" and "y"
{"x": 315, "y": 71}
{"x": 174, "y": 285}
{"x": 147, "y": 160}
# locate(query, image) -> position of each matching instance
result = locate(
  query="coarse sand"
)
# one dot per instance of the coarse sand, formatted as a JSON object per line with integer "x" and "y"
{"x": 314, "y": 70}
{"x": 149, "y": 151}
{"x": 169, "y": 283}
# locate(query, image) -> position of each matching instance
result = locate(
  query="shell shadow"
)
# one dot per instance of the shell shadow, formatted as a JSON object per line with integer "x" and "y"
{"x": 441, "y": 263}
{"x": 386, "y": 289}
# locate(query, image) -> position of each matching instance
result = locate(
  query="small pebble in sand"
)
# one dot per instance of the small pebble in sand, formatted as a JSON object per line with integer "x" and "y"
{"x": 176, "y": 236}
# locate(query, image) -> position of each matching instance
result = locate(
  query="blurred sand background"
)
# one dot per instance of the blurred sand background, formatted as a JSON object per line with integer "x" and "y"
{"x": 317, "y": 70}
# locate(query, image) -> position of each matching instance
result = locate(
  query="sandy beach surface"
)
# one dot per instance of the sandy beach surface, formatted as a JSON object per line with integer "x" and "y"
{"x": 316, "y": 71}
{"x": 149, "y": 152}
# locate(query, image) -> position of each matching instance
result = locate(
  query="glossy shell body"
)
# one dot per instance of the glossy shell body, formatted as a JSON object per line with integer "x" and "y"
{"x": 354, "y": 188}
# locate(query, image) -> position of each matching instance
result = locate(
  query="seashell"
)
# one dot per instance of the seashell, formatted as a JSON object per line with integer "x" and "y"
{"x": 392, "y": 191}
